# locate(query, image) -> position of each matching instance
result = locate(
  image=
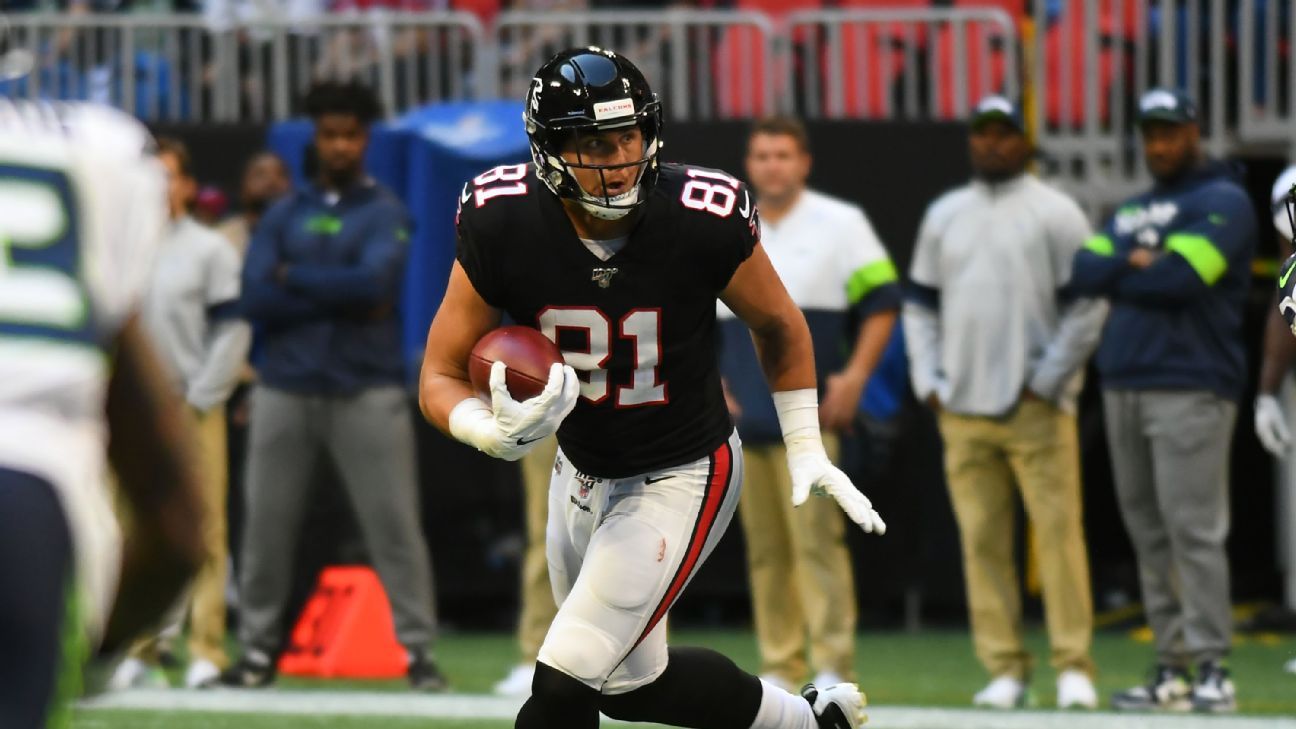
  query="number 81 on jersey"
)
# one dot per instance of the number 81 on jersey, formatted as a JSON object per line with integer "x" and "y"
{"x": 641, "y": 326}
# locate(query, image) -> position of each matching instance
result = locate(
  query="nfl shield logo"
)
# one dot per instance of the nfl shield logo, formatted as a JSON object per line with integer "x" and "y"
{"x": 603, "y": 276}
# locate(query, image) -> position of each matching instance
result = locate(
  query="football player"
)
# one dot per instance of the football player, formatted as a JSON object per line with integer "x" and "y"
{"x": 81, "y": 209}
{"x": 619, "y": 259}
{"x": 1285, "y": 222}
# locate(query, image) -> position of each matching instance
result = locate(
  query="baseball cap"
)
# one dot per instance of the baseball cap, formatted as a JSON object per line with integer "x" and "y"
{"x": 1166, "y": 105}
{"x": 997, "y": 108}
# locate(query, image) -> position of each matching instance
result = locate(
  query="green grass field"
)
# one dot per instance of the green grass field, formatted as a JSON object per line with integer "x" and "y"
{"x": 930, "y": 669}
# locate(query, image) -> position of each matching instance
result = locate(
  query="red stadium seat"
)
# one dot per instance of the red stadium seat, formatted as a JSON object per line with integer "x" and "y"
{"x": 981, "y": 62}
{"x": 870, "y": 65}
{"x": 884, "y": 4}
{"x": 1015, "y": 8}
{"x": 873, "y": 58}
{"x": 484, "y": 9}
{"x": 1057, "y": 53}
{"x": 777, "y": 8}
{"x": 740, "y": 72}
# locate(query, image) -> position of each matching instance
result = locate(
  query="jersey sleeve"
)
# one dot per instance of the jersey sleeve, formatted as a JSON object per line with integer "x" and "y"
{"x": 737, "y": 235}
{"x": 872, "y": 283}
{"x": 470, "y": 251}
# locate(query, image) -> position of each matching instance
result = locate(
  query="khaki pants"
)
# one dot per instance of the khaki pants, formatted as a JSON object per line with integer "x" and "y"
{"x": 801, "y": 581}
{"x": 206, "y": 597}
{"x": 1034, "y": 450}
{"x": 538, "y": 607}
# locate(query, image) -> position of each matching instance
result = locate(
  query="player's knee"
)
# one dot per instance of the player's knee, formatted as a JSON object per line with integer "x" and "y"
{"x": 580, "y": 651}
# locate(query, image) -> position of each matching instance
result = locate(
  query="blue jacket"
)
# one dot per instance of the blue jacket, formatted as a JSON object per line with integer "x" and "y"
{"x": 1177, "y": 324}
{"x": 321, "y": 282}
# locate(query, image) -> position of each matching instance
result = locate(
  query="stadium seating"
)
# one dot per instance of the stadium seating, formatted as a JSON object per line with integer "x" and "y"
{"x": 982, "y": 58}
{"x": 873, "y": 57}
{"x": 1060, "y": 49}
{"x": 484, "y": 9}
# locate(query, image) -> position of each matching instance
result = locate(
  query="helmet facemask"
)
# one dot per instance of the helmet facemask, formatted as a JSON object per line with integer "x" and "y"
{"x": 1290, "y": 205}
{"x": 557, "y": 172}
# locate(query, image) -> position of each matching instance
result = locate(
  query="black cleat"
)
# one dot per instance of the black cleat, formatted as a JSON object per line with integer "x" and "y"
{"x": 1167, "y": 689}
{"x": 1214, "y": 693}
{"x": 254, "y": 670}
{"x": 424, "y": 675}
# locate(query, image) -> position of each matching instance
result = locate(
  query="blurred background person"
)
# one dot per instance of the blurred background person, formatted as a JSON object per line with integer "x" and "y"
{"x": 321, "y": 280}
{"x": 1275, "y": 408}
{"x": 265, "y": 179}
{"x": 1175, "y": 262}
{"x": 832, "y": 264}
{"x": 997, "y": 350}
{"x": 538, "y": 607}
{"x": 191, "y": 314}
{"x": 81, "y": 389}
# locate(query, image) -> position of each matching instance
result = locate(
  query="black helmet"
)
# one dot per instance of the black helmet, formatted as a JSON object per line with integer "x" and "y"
{"x": 591, "y": 90}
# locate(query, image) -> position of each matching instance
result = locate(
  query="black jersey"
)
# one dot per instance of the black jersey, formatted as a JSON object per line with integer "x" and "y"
{"x": 639, "y": 328}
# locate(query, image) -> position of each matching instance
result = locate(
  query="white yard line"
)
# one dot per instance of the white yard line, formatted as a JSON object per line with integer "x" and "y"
{"x": 359, "y": 703}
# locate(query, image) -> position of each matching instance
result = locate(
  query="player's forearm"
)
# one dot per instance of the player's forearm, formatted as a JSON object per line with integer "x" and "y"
{"x": 149, "y": 449}
{"x": 785, "y": 351}
{"x": 874, "y": 334}
{"x": 440, "y": 390}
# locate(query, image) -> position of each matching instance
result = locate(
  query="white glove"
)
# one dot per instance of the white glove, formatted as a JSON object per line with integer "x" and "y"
{"x": 798, "y": 413}
{"x": 508, "y": 429}
{"x": 1271, "y": 425}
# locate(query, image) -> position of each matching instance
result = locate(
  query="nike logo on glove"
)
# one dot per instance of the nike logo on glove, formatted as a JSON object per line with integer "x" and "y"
{"x": 522, "y": 442}
{"x": 650, "y": 481}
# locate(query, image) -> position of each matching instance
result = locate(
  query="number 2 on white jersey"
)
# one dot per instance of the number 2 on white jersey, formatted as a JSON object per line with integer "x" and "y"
{"x": 641, "y": 326}
{"x": 40, "y": 294}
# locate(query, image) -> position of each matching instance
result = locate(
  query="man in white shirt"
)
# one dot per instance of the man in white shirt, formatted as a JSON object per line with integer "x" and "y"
{"x": 997, "y": 349}
{"x": 191, "y": 314}
{"x": 836, "y": 270}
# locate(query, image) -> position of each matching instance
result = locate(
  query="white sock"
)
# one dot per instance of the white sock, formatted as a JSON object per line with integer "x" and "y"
{"x": 782, "y": 710}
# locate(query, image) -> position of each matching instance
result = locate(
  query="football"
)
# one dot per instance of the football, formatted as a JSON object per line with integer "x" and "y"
{"x": 526, "y": 352}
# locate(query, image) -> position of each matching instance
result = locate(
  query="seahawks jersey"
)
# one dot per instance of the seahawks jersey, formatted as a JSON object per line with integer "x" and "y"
{"x": 82, "y": 204}
{"x": 639, "y": 327}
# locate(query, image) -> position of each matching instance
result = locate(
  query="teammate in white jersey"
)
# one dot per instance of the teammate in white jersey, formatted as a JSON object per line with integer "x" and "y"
{"x": 81, "y": 209}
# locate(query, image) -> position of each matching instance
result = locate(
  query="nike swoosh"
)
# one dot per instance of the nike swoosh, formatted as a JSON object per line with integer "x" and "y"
{"x": 745, "y": 210}
{"x": 522, "y": 442}
{"x": 467, "y": 194}
{"x": 649, "y": 481}
{"x": 1282, "y": 282}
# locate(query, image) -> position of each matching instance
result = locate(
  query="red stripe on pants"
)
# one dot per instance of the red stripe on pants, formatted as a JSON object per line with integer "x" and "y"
{"x": 717, "y": 487}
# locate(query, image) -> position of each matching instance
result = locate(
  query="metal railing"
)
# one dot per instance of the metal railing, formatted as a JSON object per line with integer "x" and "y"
{"x": 928, "y": 63}
{"x": 704, "y": 64}
{"x": 177, "y": 68}
{"x": 1093, "y": 62}
{"x": 1081, "y": 65}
